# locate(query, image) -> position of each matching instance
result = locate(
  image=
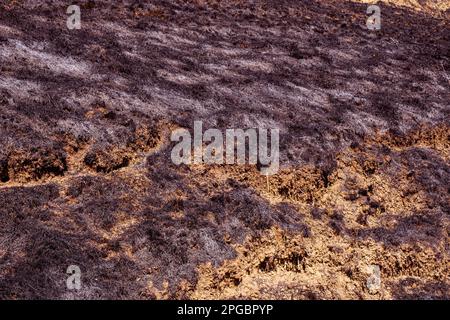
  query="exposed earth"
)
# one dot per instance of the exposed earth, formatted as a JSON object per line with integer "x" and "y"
{"x": 86, "y": 176}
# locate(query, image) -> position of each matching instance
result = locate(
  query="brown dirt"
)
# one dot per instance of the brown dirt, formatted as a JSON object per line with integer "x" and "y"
{"x": 435, "y": 7}
{"x": 86, "y": 176}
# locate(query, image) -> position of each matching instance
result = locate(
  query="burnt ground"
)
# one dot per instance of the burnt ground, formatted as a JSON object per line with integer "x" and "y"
{"x": 86, "y": 177}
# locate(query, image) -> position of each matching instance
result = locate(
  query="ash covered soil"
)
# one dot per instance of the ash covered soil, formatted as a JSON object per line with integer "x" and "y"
{"x": 85, "y": 171}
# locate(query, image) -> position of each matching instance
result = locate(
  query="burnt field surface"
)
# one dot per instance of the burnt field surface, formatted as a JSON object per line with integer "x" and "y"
{"x": 86, "y": 176}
